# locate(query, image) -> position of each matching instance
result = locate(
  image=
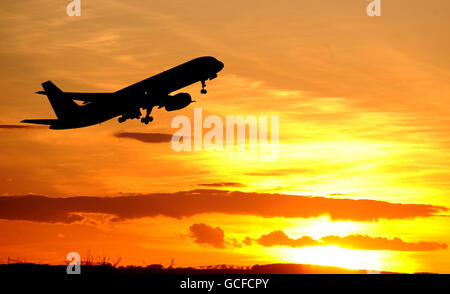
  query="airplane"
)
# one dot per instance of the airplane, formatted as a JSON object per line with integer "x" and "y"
{"x": 126, "y": 103}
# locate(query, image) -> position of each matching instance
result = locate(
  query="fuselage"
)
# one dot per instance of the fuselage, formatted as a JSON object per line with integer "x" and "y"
{"x": 151, "y": 91}
{"x": 199, "y": 69}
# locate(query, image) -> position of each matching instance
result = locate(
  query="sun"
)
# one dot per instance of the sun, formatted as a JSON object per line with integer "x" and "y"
{"x": 322, "y": 226}
{"x": 333, "y": 255}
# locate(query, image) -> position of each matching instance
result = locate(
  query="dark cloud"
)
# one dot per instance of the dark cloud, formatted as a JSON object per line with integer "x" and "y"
{"x": 361, "y": 242}
{"x": 146, "y": 137}
{"x": 207, "y": 235}
{"x": 224, "y": 184}
{"x": 189, "y": 203}
{"x": 380, "y": 243}
{"x": 17, "y": 127}
{"x": 280, "y": 238}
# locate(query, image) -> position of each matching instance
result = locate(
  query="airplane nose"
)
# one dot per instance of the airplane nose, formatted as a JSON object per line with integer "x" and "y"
{"x": 220, "y": 65}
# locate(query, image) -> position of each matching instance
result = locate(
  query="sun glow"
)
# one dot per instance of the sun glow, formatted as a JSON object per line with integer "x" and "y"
{"x": 333, "y": 255}
{"x": 323, "y": 226}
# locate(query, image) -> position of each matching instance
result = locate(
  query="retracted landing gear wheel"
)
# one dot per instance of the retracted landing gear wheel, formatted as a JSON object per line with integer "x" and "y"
{"x": 146, "y": 120}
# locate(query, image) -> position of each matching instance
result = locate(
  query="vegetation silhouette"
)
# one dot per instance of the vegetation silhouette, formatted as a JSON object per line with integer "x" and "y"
{"x": 110, "y": 267}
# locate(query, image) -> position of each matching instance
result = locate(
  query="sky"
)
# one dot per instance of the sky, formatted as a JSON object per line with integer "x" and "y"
{"x": 360, "y": 179}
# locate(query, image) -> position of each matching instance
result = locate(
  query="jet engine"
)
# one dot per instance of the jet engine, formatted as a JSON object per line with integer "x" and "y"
{"x": 178, "y": 101}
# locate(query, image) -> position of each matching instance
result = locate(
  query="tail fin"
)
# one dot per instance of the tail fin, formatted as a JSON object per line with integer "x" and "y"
{"x": 63, "y": 106}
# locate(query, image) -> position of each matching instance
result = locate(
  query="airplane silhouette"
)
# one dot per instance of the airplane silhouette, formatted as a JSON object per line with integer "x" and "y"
{"x": 127, "y": 102}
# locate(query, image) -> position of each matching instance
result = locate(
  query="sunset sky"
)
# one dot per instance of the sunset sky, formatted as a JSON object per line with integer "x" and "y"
{"x": 362, "y": 175}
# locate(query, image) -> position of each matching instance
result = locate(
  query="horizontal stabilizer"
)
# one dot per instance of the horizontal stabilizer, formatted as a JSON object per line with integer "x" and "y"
{"x": 40, "y": 121}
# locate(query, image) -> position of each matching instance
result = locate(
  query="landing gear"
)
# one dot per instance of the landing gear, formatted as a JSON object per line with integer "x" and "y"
{"x": 203, "y": 90}
{"x": 147, "y": 118}
{"x": 130, "y": 115}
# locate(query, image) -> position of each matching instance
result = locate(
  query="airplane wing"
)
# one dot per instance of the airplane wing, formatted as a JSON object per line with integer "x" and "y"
{"x": 80, "y": 96}
{"x": 87, "y": 97}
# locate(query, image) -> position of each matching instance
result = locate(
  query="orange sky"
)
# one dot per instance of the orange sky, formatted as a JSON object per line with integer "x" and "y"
{"x": 363, "y": 110}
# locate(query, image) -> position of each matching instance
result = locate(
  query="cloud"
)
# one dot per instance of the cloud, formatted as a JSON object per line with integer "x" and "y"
{"x": 281, "y": 172}
{"x": 223, "y": 184}
{"x": 364, "y": 242}
{"x": 17, "y": 127}
{"x": 146, "y": 137}
{"x": 247, "y": 241}
{"x": 280, "y": 238}
{"x": 361, "y": 242}
{"x": 204, "y": 234}
{"x": 190, "y": 203}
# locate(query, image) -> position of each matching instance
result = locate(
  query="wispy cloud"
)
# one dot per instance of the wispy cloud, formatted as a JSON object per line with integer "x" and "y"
{"x": 223, "y": 184}
{"x": 146, "y": 137}
{"x": 17, "y": 127}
